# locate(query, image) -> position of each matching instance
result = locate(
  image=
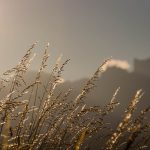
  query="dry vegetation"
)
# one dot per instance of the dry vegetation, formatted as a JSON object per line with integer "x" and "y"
{"x": 29, "y": 121}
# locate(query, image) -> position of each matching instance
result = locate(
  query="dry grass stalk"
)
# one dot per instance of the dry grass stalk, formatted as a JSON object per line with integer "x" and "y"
{"x": 124, "y": 123}
{"x": 52, "y": 121}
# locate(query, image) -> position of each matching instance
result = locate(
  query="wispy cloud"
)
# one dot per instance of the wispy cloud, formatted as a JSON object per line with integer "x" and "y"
{"x": 118, "y": 63}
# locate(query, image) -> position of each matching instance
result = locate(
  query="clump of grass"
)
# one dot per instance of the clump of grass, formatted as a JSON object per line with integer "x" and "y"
{"x": 33, "y": 121}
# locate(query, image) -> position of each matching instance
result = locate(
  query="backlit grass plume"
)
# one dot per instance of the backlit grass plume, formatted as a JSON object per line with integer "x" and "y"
{"x": 33, "y": 116}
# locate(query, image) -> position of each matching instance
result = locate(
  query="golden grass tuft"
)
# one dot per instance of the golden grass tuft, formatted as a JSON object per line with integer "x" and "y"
{"x": 33, "y": 121}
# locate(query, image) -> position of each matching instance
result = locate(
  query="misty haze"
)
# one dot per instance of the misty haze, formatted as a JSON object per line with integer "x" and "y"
{"x": 75, "y": 75}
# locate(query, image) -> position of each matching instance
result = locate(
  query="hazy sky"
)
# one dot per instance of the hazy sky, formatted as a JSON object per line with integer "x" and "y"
{"x": 87, "y": 31}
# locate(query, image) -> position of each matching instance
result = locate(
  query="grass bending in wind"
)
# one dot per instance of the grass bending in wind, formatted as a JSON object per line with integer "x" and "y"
{"x": 29, "y": 121}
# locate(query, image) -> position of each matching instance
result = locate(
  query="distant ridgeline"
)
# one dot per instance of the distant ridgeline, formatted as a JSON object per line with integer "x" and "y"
{"x": 142, "y": 66}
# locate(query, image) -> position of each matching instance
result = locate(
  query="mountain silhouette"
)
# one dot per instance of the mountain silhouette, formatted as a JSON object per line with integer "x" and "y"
{"x": 142, "y": 66}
